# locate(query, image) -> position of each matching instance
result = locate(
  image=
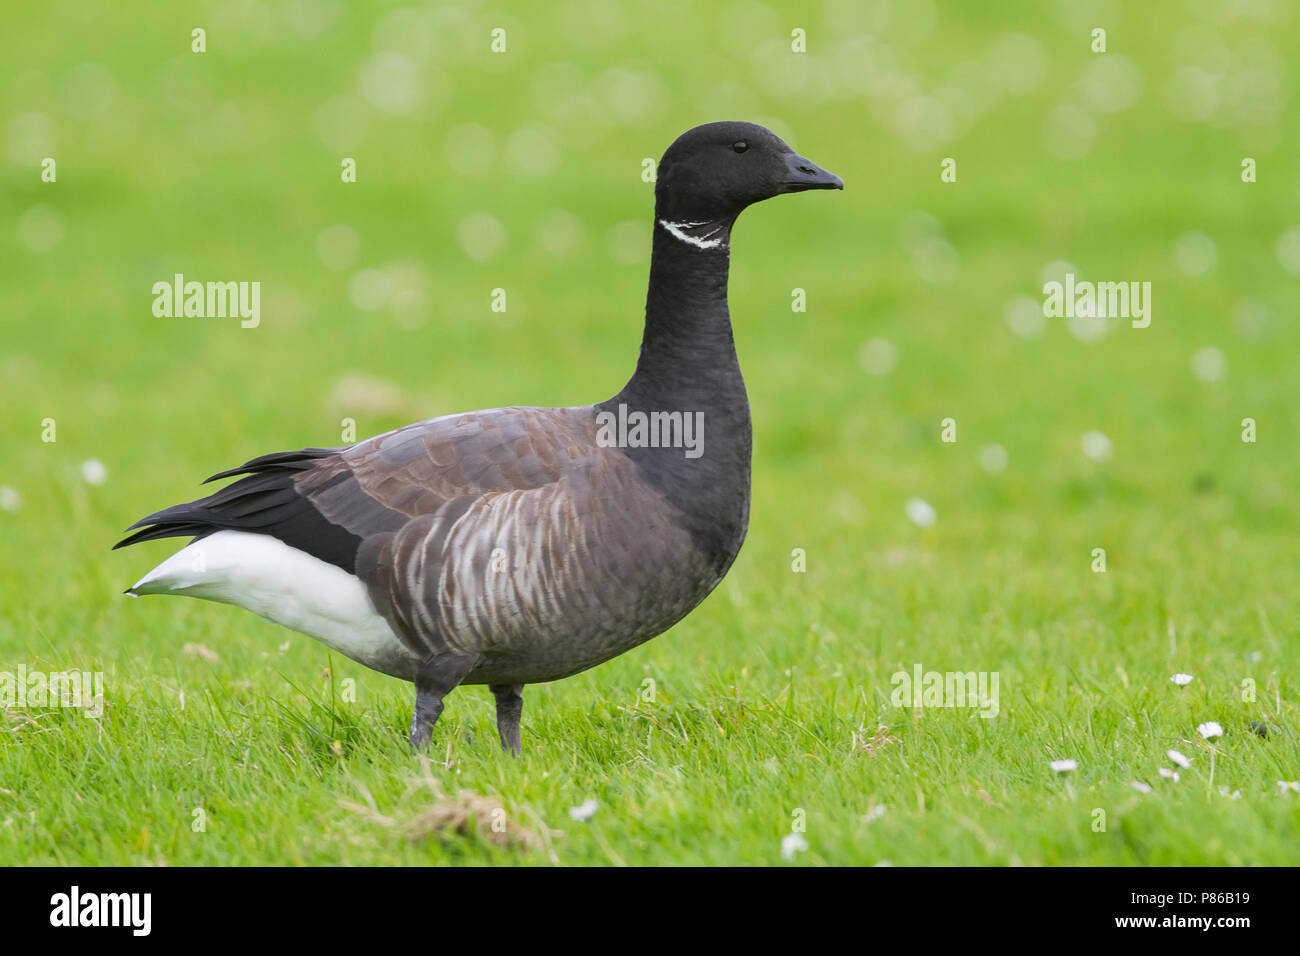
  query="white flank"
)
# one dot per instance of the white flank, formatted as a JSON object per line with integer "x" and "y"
{"x": 286, "y": 586}
{"x": 676, "y": 229}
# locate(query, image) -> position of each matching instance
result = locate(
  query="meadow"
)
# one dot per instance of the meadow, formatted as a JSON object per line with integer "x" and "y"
{"x": 764, "y": 729}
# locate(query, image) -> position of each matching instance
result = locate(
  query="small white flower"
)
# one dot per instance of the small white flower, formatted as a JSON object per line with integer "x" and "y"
{"x": 874, "y": 814}
{"x": 1234, "y": 795}
{"x": 1285, "y": 786}
{"x": 1169, "y": 774}
{"x": 1063, "y": 766}
{"x": 1182, "y": 680}
{"x": 878, "y": 357}
{"x": 1096, "y": 446}
{"x": 1210, "y": 729}
{"x": 921, "y": 512}
{"x": 993, "y": 459}
{"x": 584, "y": 811}
{"x": 93, "y": 472}
{"x": 791, "y": 844}
{"x": 1178, "y": 758}
{"x": 1140, "y": 787}
{"x": 1208, "y": 364}
{"x": 10, "y": 500}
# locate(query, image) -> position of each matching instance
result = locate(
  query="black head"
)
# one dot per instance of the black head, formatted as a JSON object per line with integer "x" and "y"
{"x": 714, "y": 171}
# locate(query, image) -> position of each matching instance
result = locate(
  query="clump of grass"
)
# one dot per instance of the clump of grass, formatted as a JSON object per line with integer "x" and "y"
{"x": 431, "y": 814}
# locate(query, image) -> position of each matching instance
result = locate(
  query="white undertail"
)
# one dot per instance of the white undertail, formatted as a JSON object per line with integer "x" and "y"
{"x": 285, "y": 586}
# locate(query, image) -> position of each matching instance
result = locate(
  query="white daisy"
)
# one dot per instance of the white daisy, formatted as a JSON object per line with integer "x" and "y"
{"x": 93, "y": 472}
{"x": 1182, "y": 679}
{"x": 921, "y": 512}
{"x": 1178, "y": 758}
{"x": 791, "y": 844}
{"x": 1210, "y": 729}
{"x": 874, "y": 814}
{"x": 1096, "y": 446}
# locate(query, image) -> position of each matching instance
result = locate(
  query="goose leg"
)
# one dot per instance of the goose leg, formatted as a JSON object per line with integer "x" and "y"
{"x": 510, "y": 707}
{"x": 435, "y": 678}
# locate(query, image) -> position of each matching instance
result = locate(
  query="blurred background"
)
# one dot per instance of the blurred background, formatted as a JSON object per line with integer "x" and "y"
{"x": 521, "y": 170}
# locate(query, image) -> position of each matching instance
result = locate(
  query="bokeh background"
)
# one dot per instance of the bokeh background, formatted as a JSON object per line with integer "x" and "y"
{"x": 522, "y": 170}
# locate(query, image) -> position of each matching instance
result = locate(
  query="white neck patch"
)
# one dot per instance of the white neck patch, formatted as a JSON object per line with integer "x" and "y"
{"x": 701, "y": 235}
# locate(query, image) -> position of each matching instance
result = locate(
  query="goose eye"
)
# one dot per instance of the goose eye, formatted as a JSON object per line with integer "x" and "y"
{"x": 740, "y": 147}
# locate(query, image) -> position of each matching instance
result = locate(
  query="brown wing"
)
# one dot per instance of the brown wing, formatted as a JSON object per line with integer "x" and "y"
{"x": 416, "y": 470}
{"x": 328, "y": 501}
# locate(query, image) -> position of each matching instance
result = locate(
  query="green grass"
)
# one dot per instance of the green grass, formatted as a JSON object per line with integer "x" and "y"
{"x": 213, "y": 166}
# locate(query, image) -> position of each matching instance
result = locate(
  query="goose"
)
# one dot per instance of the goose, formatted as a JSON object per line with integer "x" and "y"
{"x": 518, "y": 545}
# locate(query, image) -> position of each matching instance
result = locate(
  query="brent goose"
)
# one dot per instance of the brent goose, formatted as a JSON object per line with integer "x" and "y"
{"x": 517, "y": 545}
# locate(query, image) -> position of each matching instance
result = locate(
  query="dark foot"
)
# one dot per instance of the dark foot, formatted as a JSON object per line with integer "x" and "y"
{"x": 510, "y": 707}
{"x": 434, "y": 680}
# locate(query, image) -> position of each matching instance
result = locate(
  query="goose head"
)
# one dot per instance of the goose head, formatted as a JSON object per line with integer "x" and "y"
{"x": 712, "y": 172}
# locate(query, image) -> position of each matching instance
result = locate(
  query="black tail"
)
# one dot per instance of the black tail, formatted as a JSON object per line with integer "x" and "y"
{"x": 265, "y": 501}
